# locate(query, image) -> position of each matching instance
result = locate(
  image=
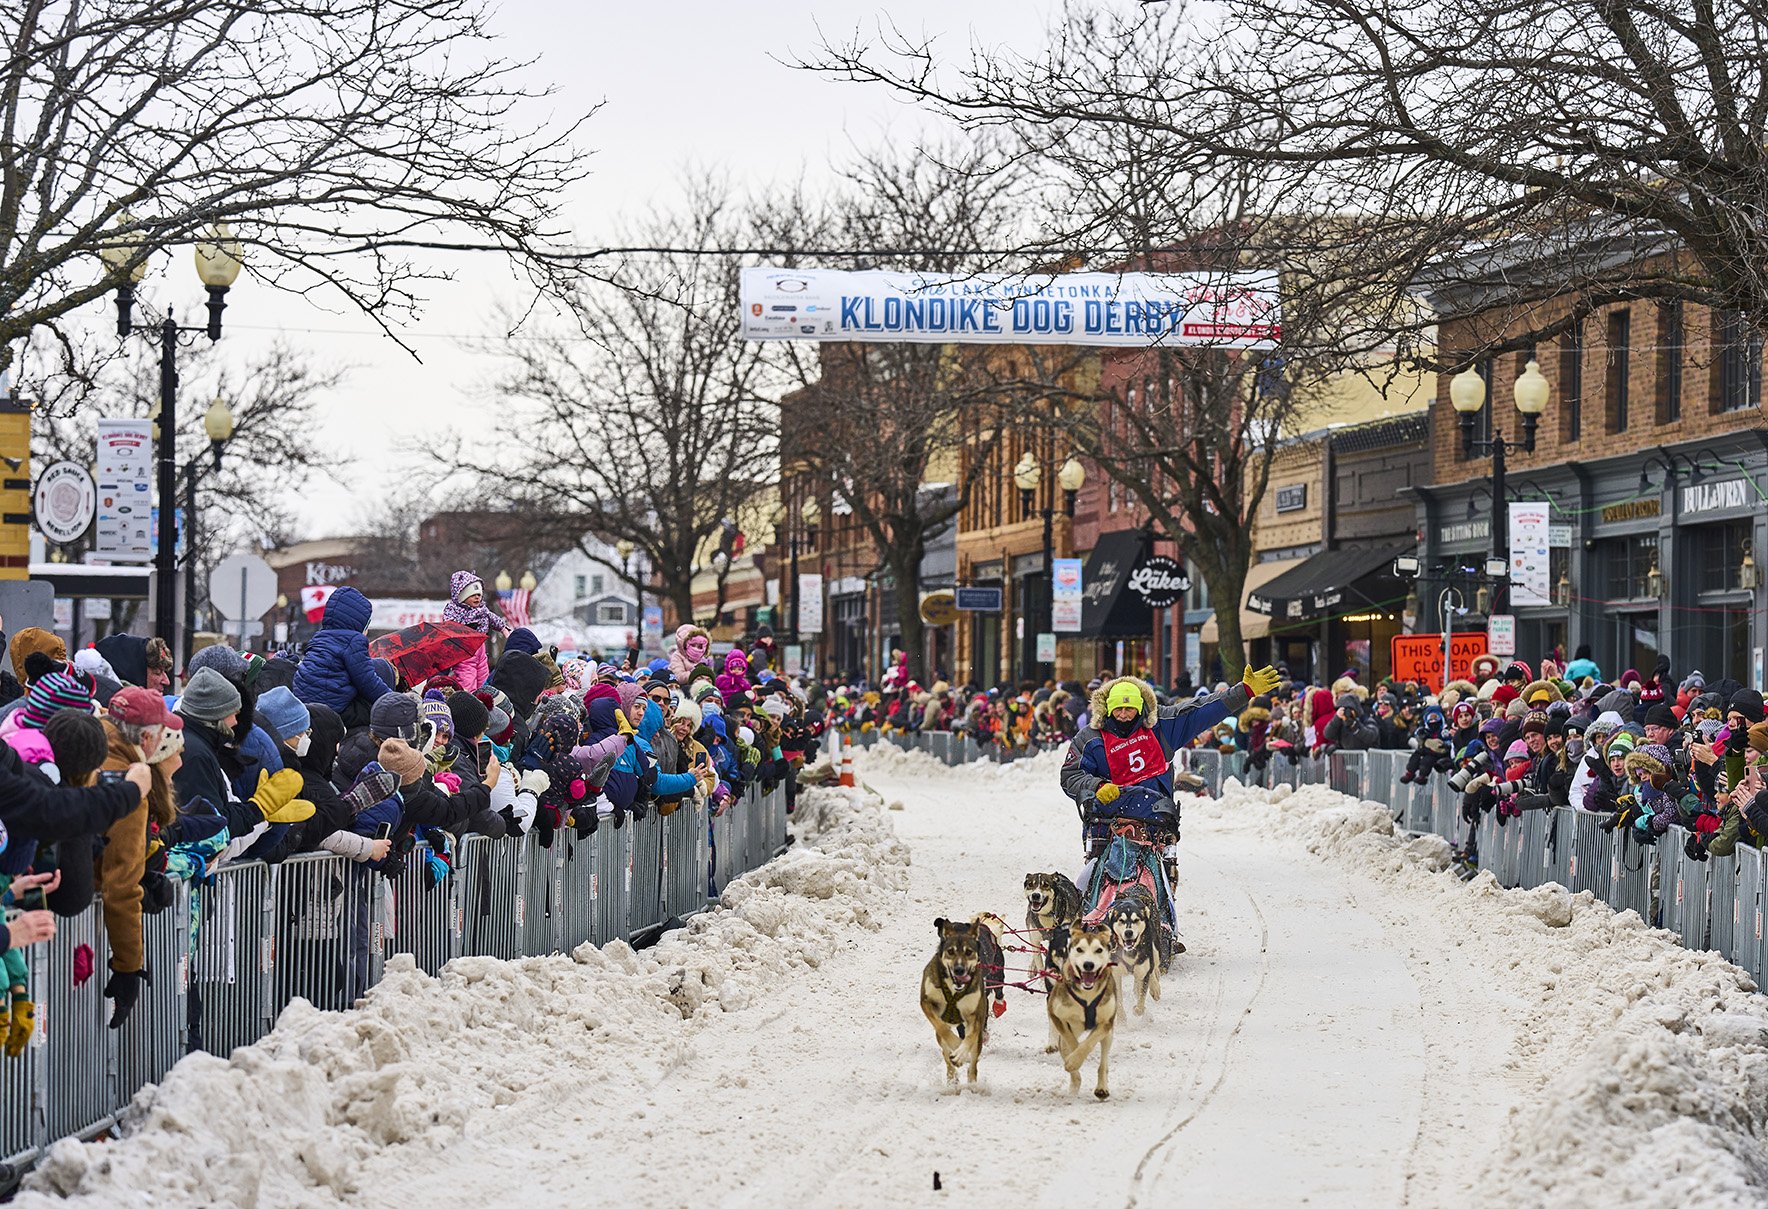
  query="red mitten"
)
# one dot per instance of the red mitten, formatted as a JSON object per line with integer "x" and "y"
{"x": 83, "y": 964}
{"x": 448, "y": 781}
{"x": 1705, "y": 823}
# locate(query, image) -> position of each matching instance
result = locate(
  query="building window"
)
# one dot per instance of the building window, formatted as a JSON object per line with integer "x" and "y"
{"x": 1718, "y": 553}
{"x": 1740, "y": 363}
{"x": 1571, "y": 378}
{"x": 579, "y": 586}
{"x": 597, "y": 585}
{"x": 1629, "y": 561}
{"x": 1620, "y": 335}
{"x": 1669, "y": 377}
{"x": 612, "y": 613}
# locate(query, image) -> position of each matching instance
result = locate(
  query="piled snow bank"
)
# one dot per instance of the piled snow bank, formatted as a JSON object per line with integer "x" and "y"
{"x": 424, "y": 1063}
{"x": 1039, "y": 771}
{"x": 1650, "y": 1062}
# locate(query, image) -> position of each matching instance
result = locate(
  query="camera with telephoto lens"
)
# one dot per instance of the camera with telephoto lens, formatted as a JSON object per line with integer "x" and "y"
{"x": 1475, "y": 765}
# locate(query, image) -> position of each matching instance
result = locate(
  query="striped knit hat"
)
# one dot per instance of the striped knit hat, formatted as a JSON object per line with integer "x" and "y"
{"x": 56, "y": 691}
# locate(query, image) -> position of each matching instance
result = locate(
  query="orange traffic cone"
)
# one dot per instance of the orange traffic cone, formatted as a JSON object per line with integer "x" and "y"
{"x": 847, "y": 777}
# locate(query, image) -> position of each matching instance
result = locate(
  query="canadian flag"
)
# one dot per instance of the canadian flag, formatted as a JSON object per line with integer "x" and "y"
{"x": 313, "y": 601}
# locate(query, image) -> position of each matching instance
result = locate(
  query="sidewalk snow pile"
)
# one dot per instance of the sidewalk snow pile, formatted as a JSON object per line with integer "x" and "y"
{"x": 1651, "y": 1061}
{"x": 426, "y": 1064}
{"x": 1027, "y": 772}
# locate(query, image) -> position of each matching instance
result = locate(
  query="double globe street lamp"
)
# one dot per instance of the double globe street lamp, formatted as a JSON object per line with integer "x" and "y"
{"x": 1467, "y": 394}
{"x": 218, "y": 264}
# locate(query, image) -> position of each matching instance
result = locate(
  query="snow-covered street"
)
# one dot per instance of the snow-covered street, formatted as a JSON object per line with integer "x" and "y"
{"x": 1351, "y": 1027}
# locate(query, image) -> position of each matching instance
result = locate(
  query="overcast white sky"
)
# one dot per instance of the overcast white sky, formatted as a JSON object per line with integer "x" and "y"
{"x": 689, "y": 83}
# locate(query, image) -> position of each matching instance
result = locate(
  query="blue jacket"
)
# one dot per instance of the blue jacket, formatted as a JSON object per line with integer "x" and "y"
{"x": 641, "y": 761}
{"x": 337, "y": 668}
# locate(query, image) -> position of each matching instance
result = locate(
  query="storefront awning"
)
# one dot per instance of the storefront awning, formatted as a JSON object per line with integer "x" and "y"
{"x": 1107, "y": 611}
{"x": 1252, "y": 625}
{"x": 1323, "y": 583}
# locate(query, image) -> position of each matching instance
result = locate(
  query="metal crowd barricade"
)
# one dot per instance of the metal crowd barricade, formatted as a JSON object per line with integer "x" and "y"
{"x": 939, "y": 745}
{"x": 644, "y": 904}
{"x": 420, "y": 920}
{"x": 542, "y": 892}
{"x": 609, "y": 885}
{"x": 152, "y": 1038}
{"x": 78, "y": 1049}
{"x": 1684, "y": 891}
{"x": 1347, "y": 772}
{"x": 578, "y": 909}
{"x": 1591, "y": 857}
{"x": 1721, "y": 903}
{"x": 236, "y": 942}
{"x": 1534, "y": 862}
{"x": 327, "y": 946}
{"x": 684, "y": 860}
{"x": 1746, "y": 915}
{"x": 1206, "y": 764}
{"x": 1445, "y": 810}
{"x": 1633, "y": 870}
{"x": 1420, "y": 802}
{"x": 24, "y": 1088}
{"x": 492, "y": 892}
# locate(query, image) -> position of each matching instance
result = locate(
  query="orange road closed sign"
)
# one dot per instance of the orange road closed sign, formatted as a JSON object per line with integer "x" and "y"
{"x": 1420, "y": 657}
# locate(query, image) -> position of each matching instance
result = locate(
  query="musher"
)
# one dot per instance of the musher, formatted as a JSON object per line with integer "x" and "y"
{"x": 1120, "y": 766}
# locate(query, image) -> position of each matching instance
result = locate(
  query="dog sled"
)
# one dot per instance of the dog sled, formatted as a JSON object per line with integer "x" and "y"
{"x": 1138, "y": 857}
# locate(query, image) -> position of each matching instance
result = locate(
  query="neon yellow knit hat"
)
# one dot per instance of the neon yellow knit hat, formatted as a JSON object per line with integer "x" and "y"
{"x": 1124, "y": 692}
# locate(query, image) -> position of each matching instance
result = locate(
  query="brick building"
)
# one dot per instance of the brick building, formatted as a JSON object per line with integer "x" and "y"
{"x": 1651, "y": 457}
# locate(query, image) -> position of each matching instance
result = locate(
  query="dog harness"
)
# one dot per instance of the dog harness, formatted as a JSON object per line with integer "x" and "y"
{"x": 1134, "y": 759}
{"x": 1090, "y": 1011}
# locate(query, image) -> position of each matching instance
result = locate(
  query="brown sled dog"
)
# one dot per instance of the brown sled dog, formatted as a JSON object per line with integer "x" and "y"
{"x": 957, "y": 987}
{"x": 1083, "y": 1005}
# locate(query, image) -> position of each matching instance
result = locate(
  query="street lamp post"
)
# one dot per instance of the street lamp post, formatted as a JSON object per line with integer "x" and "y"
{"x": 1467, "y": 394}
{"x": 218, "y": 427}
{"x": 218, "y": 265}
{"x": 1028, "y": 475}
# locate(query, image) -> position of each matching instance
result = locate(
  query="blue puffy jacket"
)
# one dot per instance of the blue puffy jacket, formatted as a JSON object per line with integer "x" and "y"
{"x": 641, "y": 761}
{"x": 337, "y": 668}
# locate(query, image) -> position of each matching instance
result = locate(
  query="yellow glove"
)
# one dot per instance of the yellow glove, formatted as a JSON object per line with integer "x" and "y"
{"x": 1107, "y": 793}
{"x": 1260, "y": 681}
{"x": 278, "y": 797}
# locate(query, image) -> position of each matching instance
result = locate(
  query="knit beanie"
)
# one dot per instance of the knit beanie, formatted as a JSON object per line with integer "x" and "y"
{"x": 1621, "y": 744}
{"x": 522, "y": 639}
{"x": 1748, "y": 702}
{"x": 56, "y": 691}
{"x": 208, "y": 697}
{"x": 224, "y": 659}
{"x": 701, "y": 690}
{"x": 1536, "y": 724}
{"x": 628, "y": 691}
{"x": 470, "y": 716}
{"x": 284, "y": 714}
{"x": 1349, "y": 701}
{"x": 1662, "y": 715}
{"x": 394, "y": 716}
{"x": 1518, "y": 750}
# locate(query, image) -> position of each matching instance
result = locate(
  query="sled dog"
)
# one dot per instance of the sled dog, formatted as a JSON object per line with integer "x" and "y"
{"x": 1139, "y": 943}
{"x": 1083, "y": 1004}
{"x": 956, "y": 987}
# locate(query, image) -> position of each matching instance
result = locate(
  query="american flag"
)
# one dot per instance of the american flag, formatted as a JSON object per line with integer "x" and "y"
{"x": 515, "y": 605}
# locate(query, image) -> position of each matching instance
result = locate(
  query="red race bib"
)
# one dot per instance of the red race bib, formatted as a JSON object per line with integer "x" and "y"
{"x": 1135, "y": 759}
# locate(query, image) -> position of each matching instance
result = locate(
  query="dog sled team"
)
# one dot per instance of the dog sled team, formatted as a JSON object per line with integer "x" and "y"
{"x": 1118, "y": 923}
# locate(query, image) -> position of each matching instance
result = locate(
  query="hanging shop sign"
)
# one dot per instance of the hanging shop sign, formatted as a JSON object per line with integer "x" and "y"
{"x": 64, "y": 502}
{"x": 939, "y": 608}
{"x": 978, "y": 600}
{"x": 1132, "y": 310}
{"x": 1159, "y": 582}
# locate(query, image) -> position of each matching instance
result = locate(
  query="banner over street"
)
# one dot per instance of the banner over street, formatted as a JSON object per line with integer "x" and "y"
{"x": 1135, "y": 310}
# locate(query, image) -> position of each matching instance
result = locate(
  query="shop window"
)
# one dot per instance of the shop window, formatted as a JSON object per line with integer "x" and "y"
{"x": 1620, "y": 334}
{"x": 1740, "y": 363}
{"x": 1571, "y": 383}
{"x": 1718, "y": 554}
{"x": 1628, "y": 562}
{"x": 1669, "y": 377}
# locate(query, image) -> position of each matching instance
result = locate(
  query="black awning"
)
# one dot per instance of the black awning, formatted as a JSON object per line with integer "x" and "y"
{"x": 1107, "y": 611}
{"x": 1332, "y": 578}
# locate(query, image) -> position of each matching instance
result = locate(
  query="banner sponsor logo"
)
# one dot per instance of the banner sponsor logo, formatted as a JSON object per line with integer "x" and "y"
{"x": 1528, "y": 554}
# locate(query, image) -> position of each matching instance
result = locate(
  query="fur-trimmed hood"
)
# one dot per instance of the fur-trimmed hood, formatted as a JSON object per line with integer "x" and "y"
{"x": 1536, "y": 686}
{"x": 1252, "y": 715}
{"x": 1150, "y": 704}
